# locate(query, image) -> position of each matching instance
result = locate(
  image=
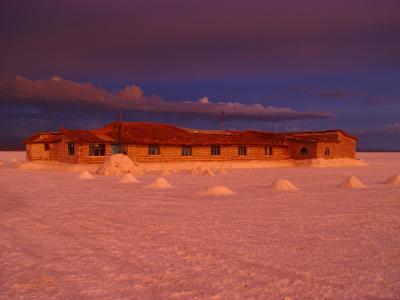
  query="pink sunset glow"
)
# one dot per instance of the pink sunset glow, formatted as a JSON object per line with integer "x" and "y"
{"x": 206, "y": 149}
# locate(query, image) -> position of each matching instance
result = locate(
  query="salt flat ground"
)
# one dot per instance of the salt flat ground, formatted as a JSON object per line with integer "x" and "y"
{"x": 61, "y": 237}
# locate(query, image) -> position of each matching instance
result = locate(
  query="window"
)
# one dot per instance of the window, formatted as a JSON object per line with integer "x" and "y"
{"x": 268, "y": 150}
{"x": 242, "y": 150}
{"x": 97, "y": 149}
{"x": 304, "y": 151}
{"x": 71, "y": 149}
{"x": 186, "y": 151}
{"x": 154, "y": 150}
{"x": 327, "y": 152}
{"x": 46, "y": 147}
{"x": 215, "y": 150}
{"x": 118, "y": 148}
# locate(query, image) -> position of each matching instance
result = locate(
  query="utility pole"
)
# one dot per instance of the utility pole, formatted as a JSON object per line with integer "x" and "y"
{"x": 121, "y": 119}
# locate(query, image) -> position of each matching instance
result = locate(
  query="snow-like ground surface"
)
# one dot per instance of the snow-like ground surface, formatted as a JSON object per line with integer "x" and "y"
{"x": 62, "y": 237}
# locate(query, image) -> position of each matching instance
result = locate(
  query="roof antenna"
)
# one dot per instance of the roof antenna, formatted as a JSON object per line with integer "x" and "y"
{"x": 121, "y": 119}
{"x": 222, "y": 120}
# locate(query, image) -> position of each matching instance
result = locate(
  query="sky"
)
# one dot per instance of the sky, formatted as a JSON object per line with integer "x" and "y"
{"x": 269, "y": 65}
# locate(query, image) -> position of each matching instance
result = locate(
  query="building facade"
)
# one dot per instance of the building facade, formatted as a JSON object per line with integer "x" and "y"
{"x": 153, "y": 142}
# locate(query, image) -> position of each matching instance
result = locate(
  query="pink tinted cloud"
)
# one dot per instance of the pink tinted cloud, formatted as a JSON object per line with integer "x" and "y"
{"x": 132, "y": 98}
{"x": 393, "y": 128}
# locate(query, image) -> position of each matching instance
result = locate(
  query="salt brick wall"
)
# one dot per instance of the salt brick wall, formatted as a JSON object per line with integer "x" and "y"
{"x": 85, "y": 158}
{"x": 59, "y": 151}
{"x": 28, "y": 151}
{"x": 63, "y": 152}
{"x": 295, "y": 150}
{"x": 81, "y": 154}
{"x": 280, "y": 151}
{"x": 54, "y": 152}
{"x": 36, "y": 152}
{"x": 346, "y": 147}
{"x": 173, "y": 153}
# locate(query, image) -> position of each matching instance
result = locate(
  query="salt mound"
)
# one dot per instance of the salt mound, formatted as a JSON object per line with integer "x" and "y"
{"x": 208, "y": 172}
{"x": 196, "y": 171}
{"x": 352, "y": 183}
{"x": 283, "y": 185}
{"x": 1, "y": 163}
{"x": 221, "y": 172}
{"x": 129, "y": 178}
{"x": 119, "y": 164}
{"x": 219, "y": 191}
{"x": 202, "y": 171}
{"x": 160, "y": 183}
{"x": 166, "y": 173}
{"x": 394, "y": 180}
{"x": 13, "y": 159}
{"x": 85, "y": 175}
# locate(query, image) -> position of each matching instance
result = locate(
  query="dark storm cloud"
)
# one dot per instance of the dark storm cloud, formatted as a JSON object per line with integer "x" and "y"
{"x": 355, "y": 96}
{"x": 362, "y": 97}
{"x": 333, "y": 94}
{"x": 61, "y": 92}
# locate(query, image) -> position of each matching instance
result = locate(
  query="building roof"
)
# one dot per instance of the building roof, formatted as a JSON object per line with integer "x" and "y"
{"x": 88, "y": 136}
{"x": 320, "y": 136}
{"x": 166, "y": 134}
{"x": 156, "y": 133}
{"x": 44, "y": 137}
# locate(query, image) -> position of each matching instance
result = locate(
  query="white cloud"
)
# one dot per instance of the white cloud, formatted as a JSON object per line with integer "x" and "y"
{"x": 393, "y": 128}
{"x": 132, "y": 92}
{"x": 203, "y": 100}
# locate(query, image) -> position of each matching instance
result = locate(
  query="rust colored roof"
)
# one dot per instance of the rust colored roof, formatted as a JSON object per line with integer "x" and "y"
{"x": 87, "y": 136}
{"x": 44, "y": 137}
{"x": 320, "y": 136}
{"x": 155, "y": 133}
{"x": 165, "y": 134}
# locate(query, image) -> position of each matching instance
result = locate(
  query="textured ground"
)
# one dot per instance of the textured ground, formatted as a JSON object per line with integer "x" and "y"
{"x": 61, "y": 237}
